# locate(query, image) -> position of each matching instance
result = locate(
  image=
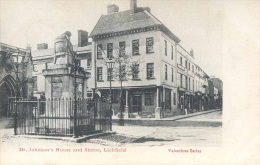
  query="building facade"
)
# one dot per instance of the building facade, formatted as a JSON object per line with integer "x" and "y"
{"x": 137, "y": 33}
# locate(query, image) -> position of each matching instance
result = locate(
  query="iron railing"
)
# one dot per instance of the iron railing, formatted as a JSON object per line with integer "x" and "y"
{"x": 55, "y": 117}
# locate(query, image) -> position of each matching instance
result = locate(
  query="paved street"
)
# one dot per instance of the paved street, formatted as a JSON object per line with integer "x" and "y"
{"x": 166, "y": 136}
{"x": 129, "y": 136}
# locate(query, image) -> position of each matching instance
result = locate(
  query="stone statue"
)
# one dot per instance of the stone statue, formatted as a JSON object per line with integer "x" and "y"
{"x": 63, "y": 49}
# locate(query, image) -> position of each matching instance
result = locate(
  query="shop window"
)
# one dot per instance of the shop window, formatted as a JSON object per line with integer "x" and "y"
{"x": 149, "y": 98}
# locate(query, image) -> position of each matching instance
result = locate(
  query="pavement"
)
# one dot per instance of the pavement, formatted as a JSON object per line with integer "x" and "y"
{"x": 177, "y": 121}
{"x": 134, "y": 135}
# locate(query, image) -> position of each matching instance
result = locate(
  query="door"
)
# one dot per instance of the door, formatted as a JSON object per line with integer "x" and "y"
{"x": 137, "y": 103}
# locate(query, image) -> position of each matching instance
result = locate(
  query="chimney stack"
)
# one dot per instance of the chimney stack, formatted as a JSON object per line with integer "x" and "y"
{"x": 112, "y": 8}
{"x": 191, "y": 53}
{"x": 42, "y": 46}
{"x": 82, "y": 38}
{"x": 148, "y": 9}
{"x": 133, "y": 6}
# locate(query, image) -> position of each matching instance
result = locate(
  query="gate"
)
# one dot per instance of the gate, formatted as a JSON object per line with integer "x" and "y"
{"x": 55, "y": 117}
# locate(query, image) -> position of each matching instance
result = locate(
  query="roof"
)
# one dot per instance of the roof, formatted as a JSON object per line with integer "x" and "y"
{"x": 50, "y": 52}
{"x": 126, "y": 20}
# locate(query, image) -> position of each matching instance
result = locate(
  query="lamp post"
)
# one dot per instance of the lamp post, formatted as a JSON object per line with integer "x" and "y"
{"x": 75, "y": 130}
{"x": 17, "y": 59}
{"x": 110, "y": 65}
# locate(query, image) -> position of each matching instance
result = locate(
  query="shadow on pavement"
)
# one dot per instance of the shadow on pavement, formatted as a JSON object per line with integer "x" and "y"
{"x": 150, "y": 139}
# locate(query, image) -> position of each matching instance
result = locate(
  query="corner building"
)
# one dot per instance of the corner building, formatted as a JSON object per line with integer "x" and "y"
{"x": 152, "y": 92}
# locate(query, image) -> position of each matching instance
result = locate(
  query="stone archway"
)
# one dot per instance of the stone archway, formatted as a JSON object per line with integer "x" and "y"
{"x": 7, "y": 89}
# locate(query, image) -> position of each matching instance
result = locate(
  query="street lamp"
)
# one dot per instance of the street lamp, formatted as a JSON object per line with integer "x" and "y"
{"x": 110, "y": 65}
{"x": 17, "y": 58}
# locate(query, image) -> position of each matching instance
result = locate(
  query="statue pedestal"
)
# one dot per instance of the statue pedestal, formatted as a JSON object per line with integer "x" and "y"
{"x": 59, "y": 82}
{"x": 59, "y": 92}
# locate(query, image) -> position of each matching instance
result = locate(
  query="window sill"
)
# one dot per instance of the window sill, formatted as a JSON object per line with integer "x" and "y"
{"x": 151, "y": 78}
{"x": 100, "y": 80}
{"x": 137, "y": 54}
{"x": 99, "y": 58}
{"x": 111, "y": 80}
{"x": 136, "y": 79}
{"x": 149, "y": 52}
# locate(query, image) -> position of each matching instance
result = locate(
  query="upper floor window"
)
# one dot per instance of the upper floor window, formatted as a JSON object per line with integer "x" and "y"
{"x": 84, "y": 63}
{"x": 189, "y": 66}
{"x": 99, "y": 51}
{"x": 192, "y": 69}
{"x": 165, "y": 47}
{"x": 193, "y": 85}
{"x": 35, "y": 88}
{"x": 110, "y": 50}
{"x": 186, "y": 64}
{"x": 172, "y": 52}
{"x": 150, "y": 70}
{"x": 189, "y": 83}
{"x": 121, "y": 48}
{"x": 186, "y": 81}
{"x": 47, "y": 65}
{"x": 135, "y": 70}
{"x": 99, "y": 74}
{"x": 109, "y": 74}
{"x": 122, "y": 72}
{"x": 181, "y": 61}
{"x": 181, "y": 80}
{"x": 149, "y": 45}
{"x": 166, "y": 72}
{"x": 172, "y": 75}
{"x": 135, "y": 47}
{"x": 35, "y": 68}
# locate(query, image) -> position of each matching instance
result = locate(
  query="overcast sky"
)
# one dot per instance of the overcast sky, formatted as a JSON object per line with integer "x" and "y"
{"x": 199, "y": 24}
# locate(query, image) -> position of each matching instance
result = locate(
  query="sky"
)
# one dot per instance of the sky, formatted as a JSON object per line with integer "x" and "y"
{"x": 199, "y": 24}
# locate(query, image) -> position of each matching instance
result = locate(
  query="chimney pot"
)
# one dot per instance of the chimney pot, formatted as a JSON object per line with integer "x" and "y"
{"x": 82, "y": 38}
{"x": 192, "y": 53}
{"x": 112, "y": 8}
{"x": 133, "y": 6}
{"x": 42, "y": 46}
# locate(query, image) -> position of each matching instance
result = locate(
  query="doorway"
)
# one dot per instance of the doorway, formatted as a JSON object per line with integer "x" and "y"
{"x": 137, "y": 103}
